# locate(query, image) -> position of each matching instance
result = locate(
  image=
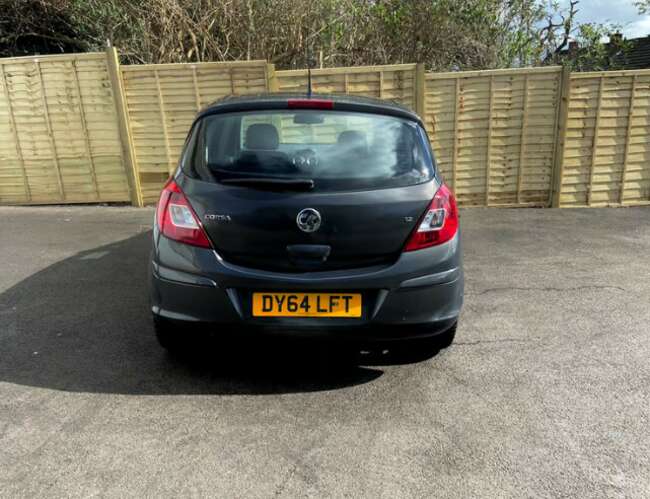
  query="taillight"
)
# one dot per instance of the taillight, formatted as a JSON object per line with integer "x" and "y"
{"x": 176, "y": 218}
{"x": 439, "y": 224}
{"x": 310, "y": 104}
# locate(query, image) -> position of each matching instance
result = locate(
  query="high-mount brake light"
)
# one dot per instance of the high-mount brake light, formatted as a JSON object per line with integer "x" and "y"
{"x": 176, "y": 218}
{"x": 310, "y": 104}
{"x": 438, "y": 225}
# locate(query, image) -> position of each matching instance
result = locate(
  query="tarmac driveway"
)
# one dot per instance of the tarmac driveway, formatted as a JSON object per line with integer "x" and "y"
{"x": 545, "y": 392}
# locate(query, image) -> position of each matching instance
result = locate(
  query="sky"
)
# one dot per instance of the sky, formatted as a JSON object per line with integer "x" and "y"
{"x": 621, "y": 12}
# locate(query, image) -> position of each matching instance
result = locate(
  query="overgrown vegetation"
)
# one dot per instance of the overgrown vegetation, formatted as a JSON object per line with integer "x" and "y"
{"x": 643, "y": 6}
{"x": 444, "y": 34}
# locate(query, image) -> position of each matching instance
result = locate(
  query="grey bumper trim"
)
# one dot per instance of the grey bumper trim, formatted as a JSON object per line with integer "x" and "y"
{"x": 432, "y": 279}
{"x": 181, "y": 277}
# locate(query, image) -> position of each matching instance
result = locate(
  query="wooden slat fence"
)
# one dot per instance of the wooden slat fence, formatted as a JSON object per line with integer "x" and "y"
{"x": 494, "y": 133}
{"x": 396, "y": 82}
{"x": 161, "y": 102}
{"x": 59, "y": 139}
{"x": 81, "y": 128}
{"x": 606, "y": 158}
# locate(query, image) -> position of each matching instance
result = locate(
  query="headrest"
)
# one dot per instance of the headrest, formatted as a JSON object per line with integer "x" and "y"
{"x": 352, "y": 139}
{"x": 261, "y": 136}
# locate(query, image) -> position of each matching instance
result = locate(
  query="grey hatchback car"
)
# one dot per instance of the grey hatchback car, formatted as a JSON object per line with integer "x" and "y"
{"x": 317, "y": 216}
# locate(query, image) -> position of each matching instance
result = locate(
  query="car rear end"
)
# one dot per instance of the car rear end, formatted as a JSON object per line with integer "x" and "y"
{"x": 315, "y": 217}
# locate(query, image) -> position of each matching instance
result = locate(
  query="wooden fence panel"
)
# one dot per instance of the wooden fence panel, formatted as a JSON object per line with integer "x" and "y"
{"x": 59, "y": 139}
{"x": 606, "y": 157}
{"x": 396, "y": 82}
{"x": 162, "y": 100}
{"x": 68, "y": 123}
{"x": 493, "y": 133}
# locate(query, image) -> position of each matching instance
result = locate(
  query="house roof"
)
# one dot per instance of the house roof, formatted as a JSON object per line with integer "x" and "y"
{"x": 631, "y": 53}
{"x": 638, "y": 56}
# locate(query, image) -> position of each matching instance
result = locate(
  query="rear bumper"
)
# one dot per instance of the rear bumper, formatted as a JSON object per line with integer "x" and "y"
{"x": 420, "y": 295}
{"x": 340, "y": 334}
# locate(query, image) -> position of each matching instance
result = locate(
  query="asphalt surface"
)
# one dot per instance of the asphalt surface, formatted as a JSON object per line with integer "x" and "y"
{"x": 545, "y": 393}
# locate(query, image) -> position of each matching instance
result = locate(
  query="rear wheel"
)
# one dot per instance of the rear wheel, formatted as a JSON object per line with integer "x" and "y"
{"x": 444, "y": 340}
{"x": 167, "y": 336}
{"x": 419, "y": 349}
{"x": 432, "y": 345}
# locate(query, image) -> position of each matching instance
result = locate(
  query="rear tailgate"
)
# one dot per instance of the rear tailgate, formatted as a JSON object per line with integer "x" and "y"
{"x": 254, "y": 228}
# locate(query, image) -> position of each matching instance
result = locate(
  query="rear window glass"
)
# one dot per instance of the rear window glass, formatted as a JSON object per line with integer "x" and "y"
{"x": 336, "y": 150}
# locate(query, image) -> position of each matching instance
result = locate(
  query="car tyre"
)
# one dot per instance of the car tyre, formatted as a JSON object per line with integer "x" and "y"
{"x": 432, "y": 345}
{"x": 444, "y": 340}
{"x": 167, "y": 336}
{"x": 419, "y": 349}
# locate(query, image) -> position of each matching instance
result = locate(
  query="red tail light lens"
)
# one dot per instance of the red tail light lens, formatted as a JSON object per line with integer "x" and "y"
{"x": 176, "y": 218}
{"x": 439, "y": 224}
{"x": 310, "y": 104}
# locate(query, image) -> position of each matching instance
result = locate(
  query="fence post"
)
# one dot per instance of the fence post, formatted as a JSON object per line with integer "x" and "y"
{"x": 560, "y": 135}
{"x": 628, "y": 136}
{"x": 128, "y": 153}
{"x": 420, "y": 82}
{"x": 271, "y": 78}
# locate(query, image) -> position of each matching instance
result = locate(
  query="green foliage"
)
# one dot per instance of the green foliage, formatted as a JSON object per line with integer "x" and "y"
{"x": 593, "y": 54}
{"x": 444, "y": 34}
{"x": 643, "y": 6}
{"x": 37, "y": 27}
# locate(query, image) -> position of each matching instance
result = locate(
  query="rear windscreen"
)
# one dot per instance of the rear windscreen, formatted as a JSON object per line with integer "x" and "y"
{"x": 334, "y": 149}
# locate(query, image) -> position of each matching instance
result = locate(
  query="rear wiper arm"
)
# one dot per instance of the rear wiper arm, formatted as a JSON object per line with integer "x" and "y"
{"x": 298, "y": 184}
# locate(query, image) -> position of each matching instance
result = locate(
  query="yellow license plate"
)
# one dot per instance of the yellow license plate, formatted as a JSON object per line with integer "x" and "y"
{"x": 306, "y": 304}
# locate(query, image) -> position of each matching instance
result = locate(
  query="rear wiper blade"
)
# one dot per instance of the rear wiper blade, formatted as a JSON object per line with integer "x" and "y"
{"x": 301, "y": 184}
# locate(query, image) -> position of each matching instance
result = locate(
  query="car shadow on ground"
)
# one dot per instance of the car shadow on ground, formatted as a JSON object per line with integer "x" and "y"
{"x": 83, "y": 325}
